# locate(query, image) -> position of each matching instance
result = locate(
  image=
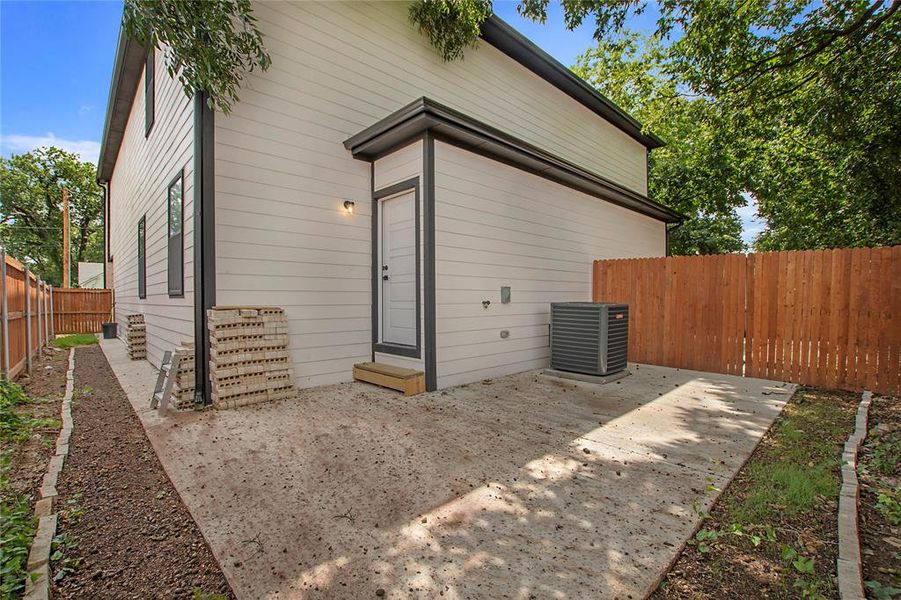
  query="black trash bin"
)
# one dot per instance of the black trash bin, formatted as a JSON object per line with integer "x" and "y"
{"x": 109, "y": 331}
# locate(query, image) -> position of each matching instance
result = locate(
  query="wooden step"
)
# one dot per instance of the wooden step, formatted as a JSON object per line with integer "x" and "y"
{"x": 408, "y": 381}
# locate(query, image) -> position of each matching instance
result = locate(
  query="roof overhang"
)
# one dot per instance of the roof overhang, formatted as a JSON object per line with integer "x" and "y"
{"x": 413, "y": 120}
{"x": 130, "y": 56}
{"x": 518, "y": 47}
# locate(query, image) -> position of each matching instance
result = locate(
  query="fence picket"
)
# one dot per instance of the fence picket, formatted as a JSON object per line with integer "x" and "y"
{"x": 823, "y": 317}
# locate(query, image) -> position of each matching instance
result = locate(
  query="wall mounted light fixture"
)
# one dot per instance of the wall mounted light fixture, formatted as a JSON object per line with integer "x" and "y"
{"x": 349, "y": 207}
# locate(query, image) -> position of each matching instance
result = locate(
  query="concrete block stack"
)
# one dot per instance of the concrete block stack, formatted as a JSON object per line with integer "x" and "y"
{"x": 249, "y": 361}
{"x": 183, "y": 386}
{"x": 136, "y": 337}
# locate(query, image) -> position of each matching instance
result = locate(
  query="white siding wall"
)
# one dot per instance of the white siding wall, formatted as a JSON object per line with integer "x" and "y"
{"x": 398, "y": 166}
{"x": 499, "y": 226}
{"x": 282, "y": 172}
{"x": 144, "y": 169}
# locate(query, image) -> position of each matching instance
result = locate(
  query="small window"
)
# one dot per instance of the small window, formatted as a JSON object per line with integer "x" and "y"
{"x": 176, "y": 236}
{"x": 149, "y": 91}
{"x": 142, "y": 258}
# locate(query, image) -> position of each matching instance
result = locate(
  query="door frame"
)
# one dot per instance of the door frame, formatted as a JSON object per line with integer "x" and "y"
{"x": 377, "y": 197}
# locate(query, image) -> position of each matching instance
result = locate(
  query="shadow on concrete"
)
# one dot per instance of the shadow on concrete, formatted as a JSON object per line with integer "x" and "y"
{"x": 520, "y": 487}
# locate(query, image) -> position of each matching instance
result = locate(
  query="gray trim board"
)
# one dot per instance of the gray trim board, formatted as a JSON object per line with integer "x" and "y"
{"x": 428, "y": 203}
{"x": 425, "y": 115}
{"x": 204, "y": 242}
{"x": 377, "y": 196}
{"x": 127, "y": 70}
{"x": 505, "y": 38}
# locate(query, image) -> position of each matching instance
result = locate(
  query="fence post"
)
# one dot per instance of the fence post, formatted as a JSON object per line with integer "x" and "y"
{"x": 46, "y": 313}
{"x": 52, "y": 324}
{"x": 28, "y": 340}
{"x": 40, "y": 320}
{"x": 4, "y": 314}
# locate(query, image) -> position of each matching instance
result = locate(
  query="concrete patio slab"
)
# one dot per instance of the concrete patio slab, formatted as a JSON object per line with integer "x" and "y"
{"x": 520, "y": 487}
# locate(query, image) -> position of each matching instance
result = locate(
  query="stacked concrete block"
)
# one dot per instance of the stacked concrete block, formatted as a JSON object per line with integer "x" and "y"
{"x": 136, "y": 337}
{"x": 183, "y": 386}
{"x": 249, "y": 361}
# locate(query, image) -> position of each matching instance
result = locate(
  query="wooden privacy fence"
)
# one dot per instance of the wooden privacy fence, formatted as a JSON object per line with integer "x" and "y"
{"x": 81, "y": 310}
{"x": 26, "y": 316}
{"x": 822, "y": 317}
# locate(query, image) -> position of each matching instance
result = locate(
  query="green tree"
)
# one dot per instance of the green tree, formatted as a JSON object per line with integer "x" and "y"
{"x": 31, "y": 187}
{"x": 793, "y": 102}
{"x": 700, "y": 172}
{"x": 210, "y": 45}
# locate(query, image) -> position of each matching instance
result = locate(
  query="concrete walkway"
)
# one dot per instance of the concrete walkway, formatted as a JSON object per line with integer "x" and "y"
{"x": 521, "y": 487}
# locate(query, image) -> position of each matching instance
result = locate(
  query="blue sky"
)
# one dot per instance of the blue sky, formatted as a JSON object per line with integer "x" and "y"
{"x": 56, "y": 59}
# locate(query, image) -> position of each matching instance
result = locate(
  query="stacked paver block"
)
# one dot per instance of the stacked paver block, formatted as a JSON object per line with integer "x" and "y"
{"x": 249, "y": 361}
{"x": 183, "y": 386}
{"x": 136, "y": 337}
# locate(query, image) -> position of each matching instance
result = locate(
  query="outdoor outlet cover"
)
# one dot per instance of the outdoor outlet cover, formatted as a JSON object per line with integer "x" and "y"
{"x": 505, "y": 294}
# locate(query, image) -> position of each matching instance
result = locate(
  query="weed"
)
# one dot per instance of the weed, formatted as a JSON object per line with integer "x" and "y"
{"x": 882, "y": 592}
{"x": 14, "y": 426}
{"x": 75, "y": 339}
{"x": 199, "y": 594}
{"x": 73, "y": 512}
{"x": 17, "y": 527}
{"x": 886, "y": 453}
{"x": 61, "y": 557}
{"x": 887, "y": 503}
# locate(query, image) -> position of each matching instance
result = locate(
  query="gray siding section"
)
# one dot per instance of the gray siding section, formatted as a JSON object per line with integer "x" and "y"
{"x": 144, "y": 169}
{"x": 499, "y": 226}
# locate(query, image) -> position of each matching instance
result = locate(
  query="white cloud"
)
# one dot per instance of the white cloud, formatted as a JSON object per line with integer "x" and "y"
{"x": 17, "y": 144}
{"x": 751, "y": 223}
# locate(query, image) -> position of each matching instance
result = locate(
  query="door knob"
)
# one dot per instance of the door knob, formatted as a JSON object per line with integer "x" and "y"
{"x": 385, "y": 277}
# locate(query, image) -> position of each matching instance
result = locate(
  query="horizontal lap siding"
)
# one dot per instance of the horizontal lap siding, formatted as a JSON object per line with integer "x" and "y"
{"x": 498, "y": 226}
{"x": 144, "y": 169}
{"x": 283, "y": 174}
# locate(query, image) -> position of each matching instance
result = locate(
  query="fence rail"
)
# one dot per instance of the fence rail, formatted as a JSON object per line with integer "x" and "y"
{"x": 26, "y": 308}
{"x": 822, "y": 317}
{"x": 81, "y": 310}
{"x": 32, "y": 312}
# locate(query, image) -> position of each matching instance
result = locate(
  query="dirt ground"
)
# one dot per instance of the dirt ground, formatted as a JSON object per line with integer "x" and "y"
{"x": 732, "y": 566}
{"x": 133, "y": 537}
{"x": 880, "y": 471}
{"x": 46, "y": 387}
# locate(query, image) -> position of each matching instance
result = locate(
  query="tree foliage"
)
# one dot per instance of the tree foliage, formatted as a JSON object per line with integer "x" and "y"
{"x": 794, "y": 103}
{"x": 210, "y": 45}
{"x": 31, "y": 186}
{"x": 451, "y": 25}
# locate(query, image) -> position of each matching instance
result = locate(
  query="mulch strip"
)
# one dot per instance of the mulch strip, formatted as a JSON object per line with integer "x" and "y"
{"x": 880, "y": 542}
{"x": 135, "y": 538}
{"x": 46, "y": 386}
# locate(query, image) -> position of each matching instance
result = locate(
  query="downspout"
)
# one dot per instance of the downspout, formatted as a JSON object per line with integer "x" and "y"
{"x": 669, "y": 230}
{"x": 204, "y": 243}
{"x": 104, "y": 186}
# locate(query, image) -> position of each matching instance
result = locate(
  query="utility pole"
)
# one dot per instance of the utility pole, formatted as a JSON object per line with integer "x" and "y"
{"x": 66, "y": 269}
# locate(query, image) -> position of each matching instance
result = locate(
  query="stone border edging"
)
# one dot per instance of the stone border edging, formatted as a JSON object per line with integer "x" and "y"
{"x": 37, "y": 582}
{"x": 849, "y": 567}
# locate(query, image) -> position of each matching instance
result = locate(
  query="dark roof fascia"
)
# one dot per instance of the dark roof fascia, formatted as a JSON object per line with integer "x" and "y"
{"x": 518, "y": 47}
{"x": 422, "y": 115}
{"x": 127, "y": 68}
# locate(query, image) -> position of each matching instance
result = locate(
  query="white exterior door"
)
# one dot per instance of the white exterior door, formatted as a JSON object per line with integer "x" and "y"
{"x": 398, "y": 269}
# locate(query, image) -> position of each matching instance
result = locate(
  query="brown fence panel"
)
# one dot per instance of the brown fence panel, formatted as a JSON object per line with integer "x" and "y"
{"x": 81, "y": 310}
{"x": 823, "y": 317}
